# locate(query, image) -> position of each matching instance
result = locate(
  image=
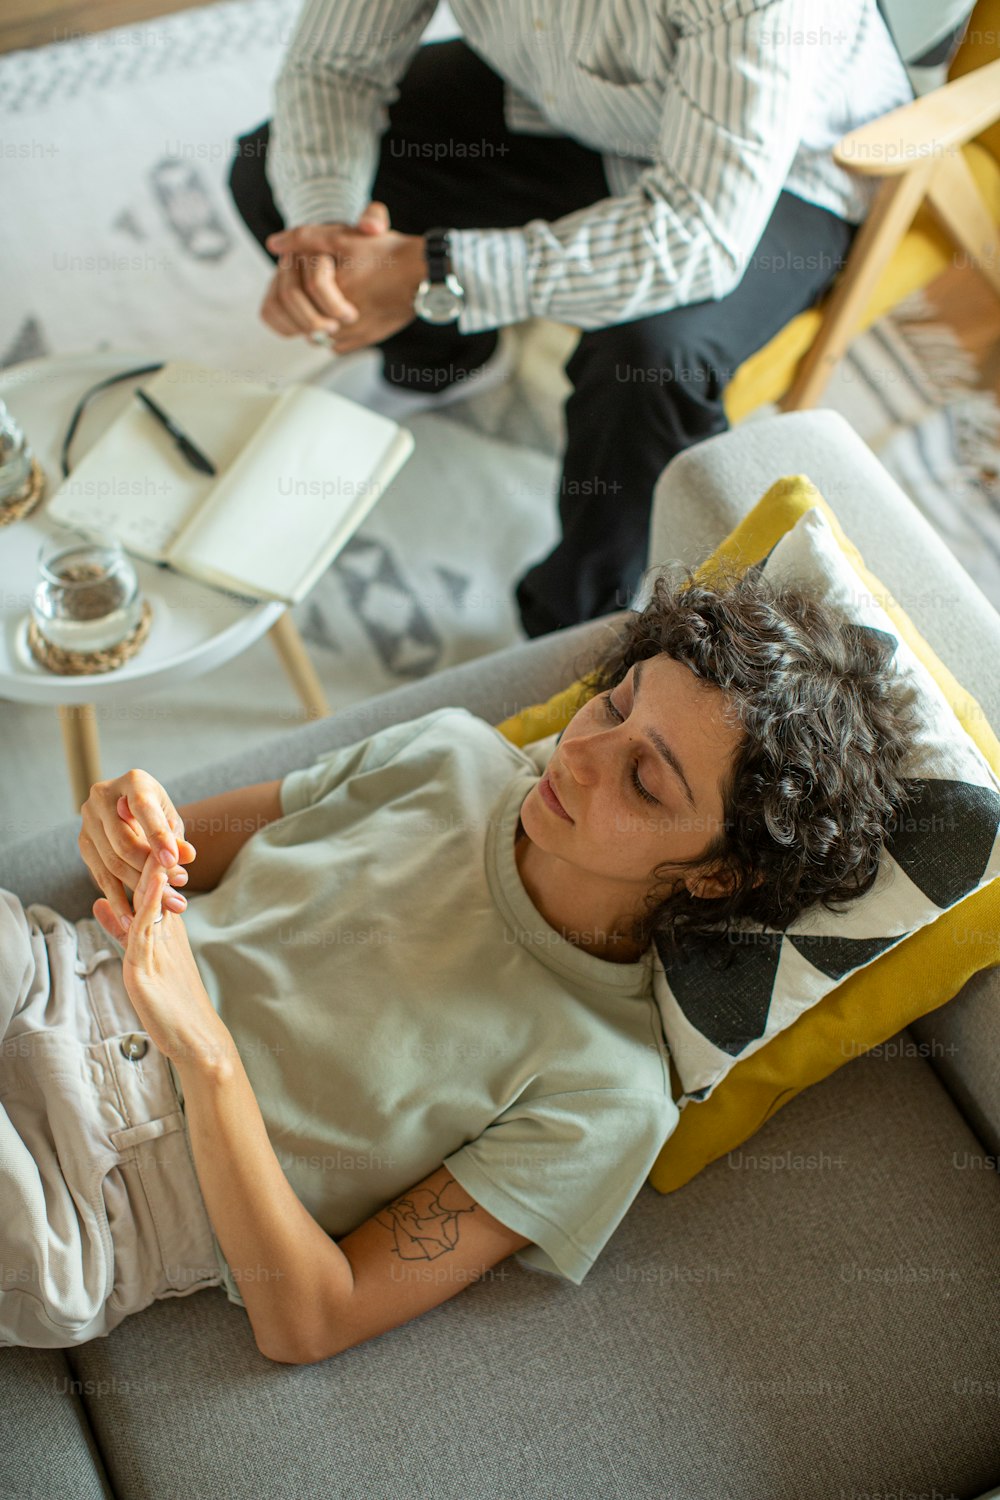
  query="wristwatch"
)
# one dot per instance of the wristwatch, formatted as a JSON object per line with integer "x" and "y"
{"x": 441, "y": 297}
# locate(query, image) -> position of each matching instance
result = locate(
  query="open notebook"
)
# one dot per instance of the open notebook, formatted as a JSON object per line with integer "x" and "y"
{"x": 297, "y": 471}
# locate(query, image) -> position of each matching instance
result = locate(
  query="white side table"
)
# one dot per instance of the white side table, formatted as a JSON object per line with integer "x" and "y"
{"x": 194, "y": 628}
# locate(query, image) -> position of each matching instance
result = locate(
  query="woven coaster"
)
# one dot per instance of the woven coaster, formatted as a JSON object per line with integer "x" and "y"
{"x": 85, "y": 663}
{"x": 26, "y": 498}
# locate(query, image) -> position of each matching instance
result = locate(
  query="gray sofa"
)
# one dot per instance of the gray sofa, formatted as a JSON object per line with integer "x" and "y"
{"x": 826, "y": 1331}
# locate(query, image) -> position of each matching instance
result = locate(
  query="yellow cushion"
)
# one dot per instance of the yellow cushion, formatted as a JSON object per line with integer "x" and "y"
{"x": 981, "y": 45}
{"x": 910, "y": 979}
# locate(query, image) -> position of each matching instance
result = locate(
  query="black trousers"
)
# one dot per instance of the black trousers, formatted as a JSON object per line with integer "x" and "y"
{"x": 642, "y": 391}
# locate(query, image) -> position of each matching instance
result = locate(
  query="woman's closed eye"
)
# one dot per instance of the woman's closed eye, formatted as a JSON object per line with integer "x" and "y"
{"x": 619, "y": 718}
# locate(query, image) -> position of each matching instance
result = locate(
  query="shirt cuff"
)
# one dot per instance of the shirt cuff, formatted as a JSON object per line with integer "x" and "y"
{"x": 319, "y": 201}
{"x": 492, "y": 266}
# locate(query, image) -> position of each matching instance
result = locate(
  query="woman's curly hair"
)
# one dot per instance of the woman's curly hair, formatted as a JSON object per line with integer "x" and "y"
{"x": 814, "y": 789}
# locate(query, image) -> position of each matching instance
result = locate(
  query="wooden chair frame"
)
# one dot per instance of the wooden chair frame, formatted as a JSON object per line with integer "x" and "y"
{"x": 917, "y": 150}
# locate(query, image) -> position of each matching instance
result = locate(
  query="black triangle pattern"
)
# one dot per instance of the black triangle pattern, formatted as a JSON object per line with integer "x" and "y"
{"x": 729, "y": 1007}
{"x": 882, "y": 635}
{"x": 758, "y": 568}
{"x": 945, "y": 837}
{"x": 836, "y": 956}
{"x": 755, "y": 569}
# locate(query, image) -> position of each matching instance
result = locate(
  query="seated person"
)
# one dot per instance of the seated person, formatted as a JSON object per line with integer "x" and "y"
{"x": 406, "y": 1026}
{"x": 659, "y": 176}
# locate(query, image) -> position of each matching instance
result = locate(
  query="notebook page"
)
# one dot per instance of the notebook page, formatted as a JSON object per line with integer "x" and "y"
{"x": 135, "y": 483}
{"x": 392, "y": 461}
{"x": 311, "y": 467}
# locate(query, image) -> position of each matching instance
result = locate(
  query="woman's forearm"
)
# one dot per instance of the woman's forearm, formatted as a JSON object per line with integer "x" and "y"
{"x": 219, "y": 826}
{"x": 291, "y": 1274}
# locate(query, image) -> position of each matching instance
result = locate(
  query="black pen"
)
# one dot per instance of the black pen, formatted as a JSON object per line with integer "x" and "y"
{"x": 193, "y": 455}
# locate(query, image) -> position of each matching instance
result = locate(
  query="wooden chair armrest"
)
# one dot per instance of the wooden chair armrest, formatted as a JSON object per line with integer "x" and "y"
{"x": 926, "y": 127}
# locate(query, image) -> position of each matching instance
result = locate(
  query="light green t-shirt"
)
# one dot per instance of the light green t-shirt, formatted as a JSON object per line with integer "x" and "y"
{"x": 398, "y": 1002}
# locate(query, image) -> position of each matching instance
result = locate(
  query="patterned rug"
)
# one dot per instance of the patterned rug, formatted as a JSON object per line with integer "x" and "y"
{"x": 117, "y": 150}
{"x": 909, "y": 389}
{"x": 116, "y": 153}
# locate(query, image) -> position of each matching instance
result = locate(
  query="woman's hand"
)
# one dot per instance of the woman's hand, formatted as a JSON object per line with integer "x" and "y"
{"x": 163, "y": 981}
{"x": 124, "y": 819}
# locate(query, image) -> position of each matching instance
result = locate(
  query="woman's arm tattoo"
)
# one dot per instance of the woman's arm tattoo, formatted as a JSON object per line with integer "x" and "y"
{"x": 425, "y": 1224}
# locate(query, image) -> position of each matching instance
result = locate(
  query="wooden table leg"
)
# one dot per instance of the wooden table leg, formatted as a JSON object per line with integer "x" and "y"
{"x": 295, "y": 660}
{"x": 83, "y": 750}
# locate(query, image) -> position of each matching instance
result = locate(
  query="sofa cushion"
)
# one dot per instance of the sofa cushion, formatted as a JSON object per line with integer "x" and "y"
{"x": 810, "y": 1318}
{"x": 48, "y": 1447}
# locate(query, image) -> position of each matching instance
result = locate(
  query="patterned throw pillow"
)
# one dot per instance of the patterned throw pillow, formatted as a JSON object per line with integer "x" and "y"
{"x": 945, "y": 848}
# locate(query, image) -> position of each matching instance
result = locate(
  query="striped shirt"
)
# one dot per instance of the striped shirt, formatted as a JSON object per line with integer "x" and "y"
{"x": 703, "y": 110}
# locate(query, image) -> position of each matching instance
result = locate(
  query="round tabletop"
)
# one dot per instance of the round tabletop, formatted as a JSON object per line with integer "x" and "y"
{"x": 194, "y": 628}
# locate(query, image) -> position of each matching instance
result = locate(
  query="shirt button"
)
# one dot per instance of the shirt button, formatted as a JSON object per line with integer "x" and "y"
{"x": 539, "y": 25}
{"x": 134, "y": 1046}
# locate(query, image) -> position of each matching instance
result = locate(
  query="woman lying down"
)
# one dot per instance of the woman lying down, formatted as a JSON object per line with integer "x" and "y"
{"x": 405, "y": 1026}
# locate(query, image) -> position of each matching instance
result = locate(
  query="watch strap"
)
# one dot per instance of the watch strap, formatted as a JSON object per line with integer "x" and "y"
{"x": 437, "y": 249}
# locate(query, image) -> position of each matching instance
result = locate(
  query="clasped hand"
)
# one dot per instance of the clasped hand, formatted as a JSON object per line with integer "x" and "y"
{"x": 163, "y": 982}
{"x": 124, "y": 820}
{"x": 355, "y": 283}
{"x": 132, "y": 839}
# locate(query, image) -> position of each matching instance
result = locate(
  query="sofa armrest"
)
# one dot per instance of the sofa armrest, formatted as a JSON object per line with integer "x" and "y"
{"x": 48, "y": 868}
{"x": 961, "y": 1041}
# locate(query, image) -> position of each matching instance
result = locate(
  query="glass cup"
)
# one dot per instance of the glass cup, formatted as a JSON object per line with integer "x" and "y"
{"x": 15, "y": 455}
{"x": 87, "y": 596}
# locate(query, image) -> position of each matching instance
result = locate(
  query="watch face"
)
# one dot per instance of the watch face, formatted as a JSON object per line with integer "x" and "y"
{"x": 437, "y": 303}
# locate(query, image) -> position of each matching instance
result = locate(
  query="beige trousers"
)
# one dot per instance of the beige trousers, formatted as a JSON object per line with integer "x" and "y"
{"x": 101, "y": 1212}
